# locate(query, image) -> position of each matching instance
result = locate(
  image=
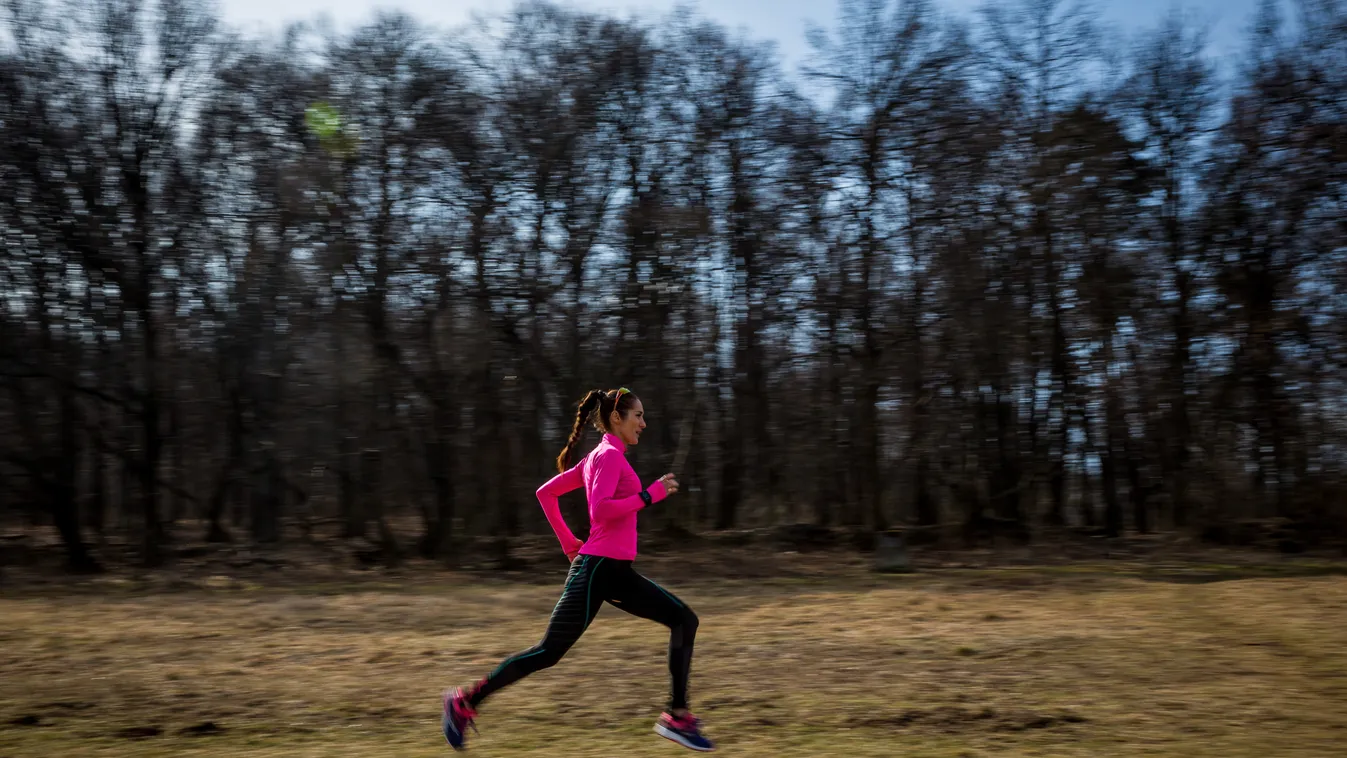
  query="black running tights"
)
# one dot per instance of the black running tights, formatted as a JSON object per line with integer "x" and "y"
{"x": 592, "y": 581}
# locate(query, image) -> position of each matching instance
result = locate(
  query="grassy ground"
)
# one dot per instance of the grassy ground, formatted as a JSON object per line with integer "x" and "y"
{"x": 811, "y": 655}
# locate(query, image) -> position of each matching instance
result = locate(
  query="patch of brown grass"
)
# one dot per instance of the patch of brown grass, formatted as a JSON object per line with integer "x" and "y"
{"x": 821, "y": 659}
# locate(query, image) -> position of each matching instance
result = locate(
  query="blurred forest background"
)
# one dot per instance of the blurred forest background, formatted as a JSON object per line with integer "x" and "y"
{"x": 1014, "y": 275}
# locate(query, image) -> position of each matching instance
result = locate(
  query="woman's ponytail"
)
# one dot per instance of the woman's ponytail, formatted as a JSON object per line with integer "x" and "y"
{"x": 587, "y": 408}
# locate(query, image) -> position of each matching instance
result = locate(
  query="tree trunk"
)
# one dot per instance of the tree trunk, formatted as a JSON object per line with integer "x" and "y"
{"x": 371, "y": 491}
{"x": 924, "y": 506}
{"x": 225, "y": 483}
{"x": 1058, "y": 428}
{"x": 832, "y": 462}
{"x": 64, "y": 501}
{"x": 1176, "y": 460}
{"x": 867, "y": 406}
{"x": 1138, "y": 493}
{"x": 731, "y": 451}
{"x": 127, "y": 501}
{"x": 1110, "y": 456}
{"x": 437, "y": 542}
{"x": 1006, "y": 478}
{"x": 174, "y": 475}
{"x": 96, "y": 514}
{"x": 266, "y": 498}
{"x": 153, "y": 535}
{"x": 731, "y": 472}
{"x": 215, "y": 530}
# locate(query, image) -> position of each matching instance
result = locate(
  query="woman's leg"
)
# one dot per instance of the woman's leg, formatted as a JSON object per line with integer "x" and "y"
{"x": 579, "y": 603}
{"x": 641, "y": 597}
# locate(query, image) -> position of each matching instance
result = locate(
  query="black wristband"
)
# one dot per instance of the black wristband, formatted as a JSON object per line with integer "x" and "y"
{"x": 645, "y": 497}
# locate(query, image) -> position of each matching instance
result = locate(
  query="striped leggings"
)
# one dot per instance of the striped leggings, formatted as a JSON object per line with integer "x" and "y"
{"x": 592, "y": 581}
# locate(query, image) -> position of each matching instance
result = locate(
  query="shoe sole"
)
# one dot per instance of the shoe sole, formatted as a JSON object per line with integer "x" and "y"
{"x": 673, "y": 736}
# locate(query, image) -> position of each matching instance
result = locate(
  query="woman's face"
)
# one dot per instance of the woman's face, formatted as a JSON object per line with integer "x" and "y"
{"x": 629, "y": 429}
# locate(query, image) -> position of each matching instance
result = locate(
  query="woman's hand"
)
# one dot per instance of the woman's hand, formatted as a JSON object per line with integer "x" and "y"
{"x": 573, "y": 550}
{"x": 670, "y": 483}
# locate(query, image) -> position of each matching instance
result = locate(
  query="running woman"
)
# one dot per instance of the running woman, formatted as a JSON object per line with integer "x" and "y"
{"x": 601, "y": 569}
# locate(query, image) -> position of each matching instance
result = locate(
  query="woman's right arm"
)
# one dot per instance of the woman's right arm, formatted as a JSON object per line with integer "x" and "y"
{"x": 549, "y": 495}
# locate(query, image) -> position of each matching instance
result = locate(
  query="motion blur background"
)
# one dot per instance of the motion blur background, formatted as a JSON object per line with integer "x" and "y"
{"x": 1028, "y": 267}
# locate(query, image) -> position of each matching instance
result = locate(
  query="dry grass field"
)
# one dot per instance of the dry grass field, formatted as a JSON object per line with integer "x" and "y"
{"x": 798, "y": 655}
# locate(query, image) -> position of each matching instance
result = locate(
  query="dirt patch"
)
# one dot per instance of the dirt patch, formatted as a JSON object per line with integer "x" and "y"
{"x": 204, "y": 729}
{"x": 139, "y": 732}
{"x": 954, "y": 719}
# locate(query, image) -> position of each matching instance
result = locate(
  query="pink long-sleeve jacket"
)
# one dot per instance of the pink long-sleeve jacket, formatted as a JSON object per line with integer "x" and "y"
{"x": 614, "y": 494}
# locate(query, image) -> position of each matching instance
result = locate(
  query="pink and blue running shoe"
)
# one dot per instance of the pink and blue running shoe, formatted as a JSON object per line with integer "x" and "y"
{"x": 458, "y": 716}
{"x": 685, "y": 730}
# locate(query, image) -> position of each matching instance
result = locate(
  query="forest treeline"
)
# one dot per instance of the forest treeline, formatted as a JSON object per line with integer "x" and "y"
{"x": 1007, "y": 269}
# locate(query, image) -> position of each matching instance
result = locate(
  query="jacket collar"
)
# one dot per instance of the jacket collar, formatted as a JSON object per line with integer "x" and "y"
{"x": 615, "y": 441}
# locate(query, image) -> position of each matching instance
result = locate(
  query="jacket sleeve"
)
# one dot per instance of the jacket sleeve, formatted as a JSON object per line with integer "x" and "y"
{"x": 607, "y": 470}
{"x": 548, "y": 496}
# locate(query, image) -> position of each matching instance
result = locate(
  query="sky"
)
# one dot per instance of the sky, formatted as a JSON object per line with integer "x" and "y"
{"x": 781, "y": 21}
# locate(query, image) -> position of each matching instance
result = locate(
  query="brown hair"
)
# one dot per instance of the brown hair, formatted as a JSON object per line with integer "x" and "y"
{"x": 595, "y": 407}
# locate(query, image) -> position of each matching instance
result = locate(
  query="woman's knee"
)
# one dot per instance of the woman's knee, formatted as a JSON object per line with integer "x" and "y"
{"x": 549, "y": 657}
{"x": 544, "y": 657}
{"x": 688, "y": 621}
